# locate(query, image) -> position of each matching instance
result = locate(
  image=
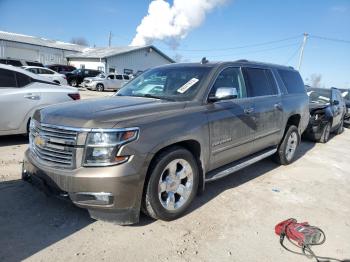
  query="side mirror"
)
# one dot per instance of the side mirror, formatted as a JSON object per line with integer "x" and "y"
{"x": 335, "y": 102}
{"x": 224, "y": 93}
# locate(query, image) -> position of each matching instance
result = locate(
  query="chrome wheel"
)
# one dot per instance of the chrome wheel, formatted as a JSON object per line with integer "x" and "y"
{"x": 291, "y": 146}
{"x": 175, "y": 184}
{"x": 99, "y": 87}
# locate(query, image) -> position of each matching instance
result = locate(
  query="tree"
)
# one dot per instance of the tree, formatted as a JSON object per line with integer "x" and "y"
{"x": 314, "y": 80}
{"x": 79, "y": 41}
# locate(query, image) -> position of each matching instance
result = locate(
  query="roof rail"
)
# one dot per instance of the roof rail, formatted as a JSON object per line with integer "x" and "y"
{"x": 242, "y": 60}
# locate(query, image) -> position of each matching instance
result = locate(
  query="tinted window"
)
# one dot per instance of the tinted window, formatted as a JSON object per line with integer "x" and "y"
{"x": 14, "y": 62}
{"x": 22, "y": 80}
{"x": 33, "y": 70}
{"x": 3, "y": 61}
{"x": 95, "y": 73}
{"x": 34, "y": 64}
{"x": 119, "y": 77}
{"x": 230, "y": 77}
{"x": 45, "y": 71}
{"x": 7, "y": 78}
{"x": 110, "y": 77}
{"x": 259, "y": 82}
{"x": 126, "y": 77}
{"x": 292, "y": 81}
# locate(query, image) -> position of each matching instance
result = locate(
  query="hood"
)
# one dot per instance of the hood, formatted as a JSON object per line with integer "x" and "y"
{"x": 317, "y": 106}
{"x": 105, "y": 112}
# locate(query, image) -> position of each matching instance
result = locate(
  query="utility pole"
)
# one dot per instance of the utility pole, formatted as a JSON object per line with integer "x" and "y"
{"x": 306, "y": 35}
{"x": 110, "y": 39}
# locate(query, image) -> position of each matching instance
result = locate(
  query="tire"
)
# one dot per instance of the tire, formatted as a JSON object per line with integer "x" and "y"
{"x": 325, "y": 133}
{"x": 100, "y": 87}
{"x": 73, "y": 83}
{"x": 340, "y": 128}
{"x": 288, "y": 146}
{"x": 162, "y": 198}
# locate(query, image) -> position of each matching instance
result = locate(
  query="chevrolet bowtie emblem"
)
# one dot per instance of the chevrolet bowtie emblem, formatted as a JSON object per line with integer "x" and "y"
{"x": 39, "y": 141}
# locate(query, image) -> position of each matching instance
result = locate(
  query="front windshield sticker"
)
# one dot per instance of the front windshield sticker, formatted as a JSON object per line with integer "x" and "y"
{"x": 188, "y": 85}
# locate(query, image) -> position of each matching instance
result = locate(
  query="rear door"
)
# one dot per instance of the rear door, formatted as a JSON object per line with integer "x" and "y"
{"x": 231, "y": 124}
{"x": 267, "y": 106}
{"x": 338, "y": 110}
{"x": 16, "y": 99}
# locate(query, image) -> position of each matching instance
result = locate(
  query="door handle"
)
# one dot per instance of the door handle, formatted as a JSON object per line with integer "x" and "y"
{"x": 32, "y": 96}
{"x": 278, "y": 106}
{"x": 248, "y": 110}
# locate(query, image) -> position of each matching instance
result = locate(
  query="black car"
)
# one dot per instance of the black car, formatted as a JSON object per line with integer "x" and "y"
{"x": 20, "y": 62}
{"x": 76, "y": 77}
{"x": 327, "y": 110}
{"x": 62, "y": 69}
{"x": 346, "y": 96}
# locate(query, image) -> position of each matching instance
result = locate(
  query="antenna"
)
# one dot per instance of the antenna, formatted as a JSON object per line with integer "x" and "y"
{"x": 204, "y": 60}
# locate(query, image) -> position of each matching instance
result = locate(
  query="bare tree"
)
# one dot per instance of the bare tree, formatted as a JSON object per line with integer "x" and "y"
{"x": 315, "y": 80}
{"x": 79, "y": 41}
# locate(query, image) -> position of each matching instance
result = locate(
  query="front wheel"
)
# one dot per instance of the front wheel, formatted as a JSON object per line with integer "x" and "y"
{"x": 74, "y": 83}
{"x": 172, "y": 184}
{"x": 286, "y": 150}
{"x": 340, "y": 128}
{"x": 99, "y": 88}
{"x": 325, "y": 133}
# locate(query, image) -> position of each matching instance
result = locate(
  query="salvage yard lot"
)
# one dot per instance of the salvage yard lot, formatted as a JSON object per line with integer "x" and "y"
{"x": 232, "y": 221}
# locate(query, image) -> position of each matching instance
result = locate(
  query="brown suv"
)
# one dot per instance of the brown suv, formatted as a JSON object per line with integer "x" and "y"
{"x": 166, "y": 133}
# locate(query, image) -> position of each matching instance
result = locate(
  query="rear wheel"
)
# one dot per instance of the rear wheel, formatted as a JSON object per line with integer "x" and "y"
{"x": 325, "y": 133}
{"x": 172, "y": 184}
{"x": 99, "y": 87}
{"x": 286, "y": 150}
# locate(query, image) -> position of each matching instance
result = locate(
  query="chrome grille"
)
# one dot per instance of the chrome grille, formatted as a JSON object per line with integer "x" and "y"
{"x": 53, "y": 145}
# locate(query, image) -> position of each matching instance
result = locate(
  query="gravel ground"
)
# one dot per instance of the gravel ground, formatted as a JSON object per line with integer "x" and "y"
{"x": 232, "y": 221}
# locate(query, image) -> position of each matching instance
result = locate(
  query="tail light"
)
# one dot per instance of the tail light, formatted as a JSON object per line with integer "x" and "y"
{"x": 75, "y": 96}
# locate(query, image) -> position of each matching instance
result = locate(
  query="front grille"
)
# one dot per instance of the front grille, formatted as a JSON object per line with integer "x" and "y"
{"x": 53, "y": 145}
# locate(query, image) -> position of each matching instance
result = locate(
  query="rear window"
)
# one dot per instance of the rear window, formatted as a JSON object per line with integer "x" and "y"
{"x": 7, "y": 78}
{"x": 259, "y": 82}
{"x": 119, "y": 77}
{"x": 126, "y": 77}
{"x": 292, "y": 81}
{"x": 34, "y": 64}
{"x": 14, "y": 62}
{"x": 22, "y": 80}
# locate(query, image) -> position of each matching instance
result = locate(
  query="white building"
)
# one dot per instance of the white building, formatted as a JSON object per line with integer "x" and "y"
{"x": 30, "y": 48}
{"x": 108, "y": 59}
{"x": 128, "y": 60}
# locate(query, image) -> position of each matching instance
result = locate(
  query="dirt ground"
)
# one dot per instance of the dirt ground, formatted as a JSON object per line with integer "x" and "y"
{"x": 232, "y": 221}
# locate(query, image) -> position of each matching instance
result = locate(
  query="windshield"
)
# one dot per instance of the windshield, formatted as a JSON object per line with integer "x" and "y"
{"x": 322, "y": 96}
{"x": 177, "y": 83}
{"x": 101, "y": 76}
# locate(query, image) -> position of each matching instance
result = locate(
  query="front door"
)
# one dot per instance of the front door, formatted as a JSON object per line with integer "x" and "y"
{"x": 231, "y": 123}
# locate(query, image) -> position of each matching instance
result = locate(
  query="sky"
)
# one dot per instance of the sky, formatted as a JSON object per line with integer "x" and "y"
{"x": 237, "y": 23}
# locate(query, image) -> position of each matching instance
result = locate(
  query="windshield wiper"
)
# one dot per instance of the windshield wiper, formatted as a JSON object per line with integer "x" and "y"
{"x": 157, "y": 97}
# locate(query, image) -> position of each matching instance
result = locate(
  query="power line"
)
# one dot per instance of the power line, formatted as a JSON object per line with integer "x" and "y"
{"x": 294, "y": 54}
{"x": 256, "y": 51}
{"x": 330, "y": 39}
{"x": 239, "y": 47}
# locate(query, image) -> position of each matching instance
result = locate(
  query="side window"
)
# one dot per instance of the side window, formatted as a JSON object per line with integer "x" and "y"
{"x": 292, "y": 81}
{"x": 7, "y": 78}
{"x": 33, "y": 70}
{"x": 119, "y": 77}
{"x": 126, "y": 77}
{"x": 230, "y": 77}
{"x": 259, "y": 82}
{"x": 110, "y": 77}
{"x": 22, "y": 80}
{"x": 45, "y": 71}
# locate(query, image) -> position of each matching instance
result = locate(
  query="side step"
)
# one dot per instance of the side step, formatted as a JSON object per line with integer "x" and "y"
{"x": 239, "y": 164}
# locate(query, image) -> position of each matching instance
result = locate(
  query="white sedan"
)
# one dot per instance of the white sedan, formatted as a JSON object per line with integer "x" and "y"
{"x": 47, "y": 73}
{"x": 22, "y": 92}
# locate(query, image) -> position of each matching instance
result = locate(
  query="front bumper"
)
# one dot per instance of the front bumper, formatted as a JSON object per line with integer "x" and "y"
{"x": 90, "y": 86}
{"x": 109, "y": 193}
{"x": 314, "y": 129}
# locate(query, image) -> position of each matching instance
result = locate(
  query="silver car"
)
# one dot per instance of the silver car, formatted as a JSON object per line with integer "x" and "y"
{"x": 22, "y": 92}
{"x": 104, "y": 82}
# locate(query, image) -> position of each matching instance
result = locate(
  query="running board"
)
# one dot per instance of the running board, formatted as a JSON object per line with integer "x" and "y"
{"x": 238, "y": 165}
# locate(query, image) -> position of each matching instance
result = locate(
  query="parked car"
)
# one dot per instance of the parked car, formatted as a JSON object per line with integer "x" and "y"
{"x": 20, "y": 62}
{"x": 156, "y": 149}
{"x": 47, "y": 73}
{"x": 327, "y": 110}
{"x": 76, "y": 77}
{"x": 62, "y": 69}
{"x": 21, "y": 93}
{"x": 346, "y": 95}
{"x": 102, "y": 82}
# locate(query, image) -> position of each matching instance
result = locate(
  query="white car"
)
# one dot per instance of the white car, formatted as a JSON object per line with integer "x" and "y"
{"x": 104, "y": 82}
{"x": 22, "y": 92}
{"x": 47, "y": 73}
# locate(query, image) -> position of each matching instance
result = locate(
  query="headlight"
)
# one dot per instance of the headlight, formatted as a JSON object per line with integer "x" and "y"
{"x": 102, "y": 146}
